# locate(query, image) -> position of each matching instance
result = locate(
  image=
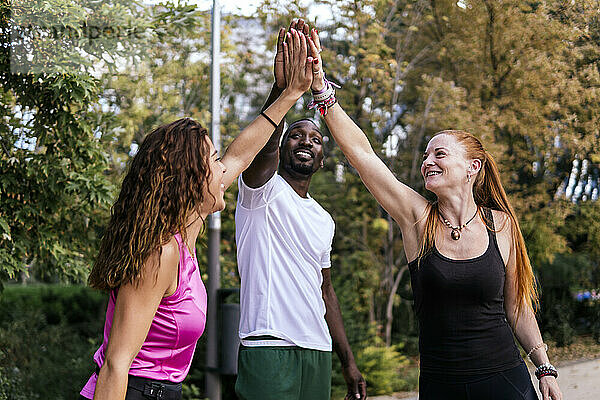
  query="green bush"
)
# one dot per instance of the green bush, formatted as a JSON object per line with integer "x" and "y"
{"x": 385, "y": 369}
{"x": 381, "y": 367}
{"x": 191, "y": 392}
{"x": 595, "y": 326}
{"x": 561, "y": 317}
{"x": 47, "y": 340}
{"x": 11, "y": 386}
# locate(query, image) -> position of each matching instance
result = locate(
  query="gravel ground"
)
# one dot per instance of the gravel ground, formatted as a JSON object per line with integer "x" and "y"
{"x": 577, "y": 380}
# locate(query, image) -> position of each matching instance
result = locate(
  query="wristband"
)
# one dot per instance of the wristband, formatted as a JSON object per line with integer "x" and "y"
{"x": 324, "y": 98}
{"x": 546, "y": 369}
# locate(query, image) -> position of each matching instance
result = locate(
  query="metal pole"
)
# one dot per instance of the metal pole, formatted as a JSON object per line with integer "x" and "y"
{"x": 213, "y": 380}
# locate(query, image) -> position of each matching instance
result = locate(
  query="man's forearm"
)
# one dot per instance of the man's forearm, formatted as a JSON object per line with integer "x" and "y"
{"x": 265, "y": 163}
{"x": 357, "y": 387}
{"x": 273, "y": 95}
{"x": 333, "y": 317}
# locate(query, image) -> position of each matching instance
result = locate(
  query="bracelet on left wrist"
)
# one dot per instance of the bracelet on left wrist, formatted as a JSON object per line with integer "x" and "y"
{"x": 546, "y": 369}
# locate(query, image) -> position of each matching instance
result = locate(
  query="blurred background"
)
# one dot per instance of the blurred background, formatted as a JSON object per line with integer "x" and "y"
{"x": 82, "y": 82}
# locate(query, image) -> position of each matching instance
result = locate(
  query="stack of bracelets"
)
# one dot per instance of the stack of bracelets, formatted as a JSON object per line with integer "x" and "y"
{"x": 325, "y": 98}
{"x": 546, "y": 369}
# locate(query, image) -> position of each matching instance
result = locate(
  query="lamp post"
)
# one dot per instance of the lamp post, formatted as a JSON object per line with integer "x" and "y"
{"x": 213, "y": 380}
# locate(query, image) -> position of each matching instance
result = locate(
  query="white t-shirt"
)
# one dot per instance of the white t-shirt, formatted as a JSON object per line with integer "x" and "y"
{"x": 283, "y": 242}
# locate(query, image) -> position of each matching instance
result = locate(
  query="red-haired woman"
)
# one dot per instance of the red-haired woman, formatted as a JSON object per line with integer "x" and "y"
{"x": 157, "y": 305}
{"x": 472, "y": 281}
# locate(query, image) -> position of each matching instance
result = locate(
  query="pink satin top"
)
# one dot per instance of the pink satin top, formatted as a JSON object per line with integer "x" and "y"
{"x": 177, "y": 325}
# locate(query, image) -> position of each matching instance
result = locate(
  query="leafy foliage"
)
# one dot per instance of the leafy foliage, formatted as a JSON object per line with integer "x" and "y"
{"x": 382, "y": 367}
{"x": 48, "y": 335}
{"x": 54, "y": 193}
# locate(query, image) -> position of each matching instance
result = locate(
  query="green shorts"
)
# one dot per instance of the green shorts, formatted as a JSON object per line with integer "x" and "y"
{"x": 283, "y": 373}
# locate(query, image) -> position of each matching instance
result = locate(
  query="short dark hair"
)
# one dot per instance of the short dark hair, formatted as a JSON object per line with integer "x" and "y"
{"x": 293, "y": 124}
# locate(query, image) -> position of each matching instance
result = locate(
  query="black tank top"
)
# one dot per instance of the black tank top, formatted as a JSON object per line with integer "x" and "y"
{"x": 460, "y": 308}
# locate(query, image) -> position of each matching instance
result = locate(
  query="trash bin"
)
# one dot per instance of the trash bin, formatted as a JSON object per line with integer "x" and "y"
{"x": 230, "y": 321}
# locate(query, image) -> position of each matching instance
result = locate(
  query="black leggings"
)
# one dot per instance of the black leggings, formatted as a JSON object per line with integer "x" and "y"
{"x": 132, "y": 394}
{"x": 512, "y": 384}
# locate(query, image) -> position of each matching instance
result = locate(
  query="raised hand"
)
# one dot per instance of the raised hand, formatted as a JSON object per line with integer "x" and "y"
{"x": 297, "y": 63}
{"x": 278, "y": 67}
{"x": 314, "y": 44}
{"x": 279, "y": 64}
{"x": 301, "y": 26}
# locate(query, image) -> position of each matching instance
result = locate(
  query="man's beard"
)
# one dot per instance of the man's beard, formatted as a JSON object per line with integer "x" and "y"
{"x": 302, "y": 168}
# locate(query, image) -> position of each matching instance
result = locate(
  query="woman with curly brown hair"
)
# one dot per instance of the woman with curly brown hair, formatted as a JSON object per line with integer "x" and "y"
{"x": 157, "y": 304}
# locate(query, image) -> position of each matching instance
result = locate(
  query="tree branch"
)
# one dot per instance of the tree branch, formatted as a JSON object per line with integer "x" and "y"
{"x": 390, "y": 305}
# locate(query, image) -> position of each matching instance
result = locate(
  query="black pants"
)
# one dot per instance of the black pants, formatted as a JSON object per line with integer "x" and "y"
{"x": 512, "y": 384}
{"x": 132, "y": 394}
{"x": 136, "y": 387}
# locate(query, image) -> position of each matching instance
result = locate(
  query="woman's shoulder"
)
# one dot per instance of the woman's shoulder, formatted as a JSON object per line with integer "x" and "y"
{"x": 170, "y": 253}
{"x": 165, "y": 259}
{"x": 503, "y": 228}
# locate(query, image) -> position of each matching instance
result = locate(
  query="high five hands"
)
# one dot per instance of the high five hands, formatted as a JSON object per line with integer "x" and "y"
{"x": 279, "y": 65}
{"x": 313, "y": 50}
{"x": 293, "y": 65}
{"x": 298, "y": 57}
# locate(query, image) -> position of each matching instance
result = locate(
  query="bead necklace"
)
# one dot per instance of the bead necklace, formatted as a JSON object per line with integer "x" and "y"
{"x": 455, "y": 234}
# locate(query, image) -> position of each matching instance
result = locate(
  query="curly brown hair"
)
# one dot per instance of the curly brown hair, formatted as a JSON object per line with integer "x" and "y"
{"x": 162, "y": 189}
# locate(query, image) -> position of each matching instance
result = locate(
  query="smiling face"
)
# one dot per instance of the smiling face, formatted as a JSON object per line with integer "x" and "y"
{"x": 302, "y": 149}
{"x": 445, "y": 165}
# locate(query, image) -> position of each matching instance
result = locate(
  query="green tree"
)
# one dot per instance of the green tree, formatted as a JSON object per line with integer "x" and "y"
{"x": 512, "y": 76}
{"x": 54, "y": 192}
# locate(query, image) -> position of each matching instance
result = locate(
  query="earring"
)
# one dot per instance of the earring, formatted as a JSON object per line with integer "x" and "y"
{"x": 469, "y": 178}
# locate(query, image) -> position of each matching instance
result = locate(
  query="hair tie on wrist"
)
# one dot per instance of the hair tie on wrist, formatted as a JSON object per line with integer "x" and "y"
{"x": 268, "y": 119}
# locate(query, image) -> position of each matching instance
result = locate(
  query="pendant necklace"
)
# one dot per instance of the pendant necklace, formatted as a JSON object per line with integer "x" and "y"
{"x": 455, "y": 234}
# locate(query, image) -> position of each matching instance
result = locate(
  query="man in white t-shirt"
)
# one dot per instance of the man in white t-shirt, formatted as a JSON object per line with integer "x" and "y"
{"x": 290, "y": 315}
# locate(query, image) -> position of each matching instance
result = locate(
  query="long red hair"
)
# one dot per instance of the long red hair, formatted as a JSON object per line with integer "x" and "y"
{"x": 488, "y": 192}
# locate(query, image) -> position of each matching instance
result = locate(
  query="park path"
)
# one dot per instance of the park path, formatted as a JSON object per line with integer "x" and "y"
{"x": 577, "y": 380}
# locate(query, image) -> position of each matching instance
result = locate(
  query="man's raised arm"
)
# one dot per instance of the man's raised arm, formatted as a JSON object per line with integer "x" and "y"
{"x": 265, "y": 163}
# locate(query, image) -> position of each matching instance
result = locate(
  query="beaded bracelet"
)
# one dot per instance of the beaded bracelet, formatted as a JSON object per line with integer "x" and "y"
{"x": 324, "y": 98}
{"x": 546, "y": 369}
{"x": 537, "y": 347}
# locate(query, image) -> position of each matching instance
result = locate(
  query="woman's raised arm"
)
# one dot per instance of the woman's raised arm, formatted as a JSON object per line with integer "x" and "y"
{"x": 404, "y": 204}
